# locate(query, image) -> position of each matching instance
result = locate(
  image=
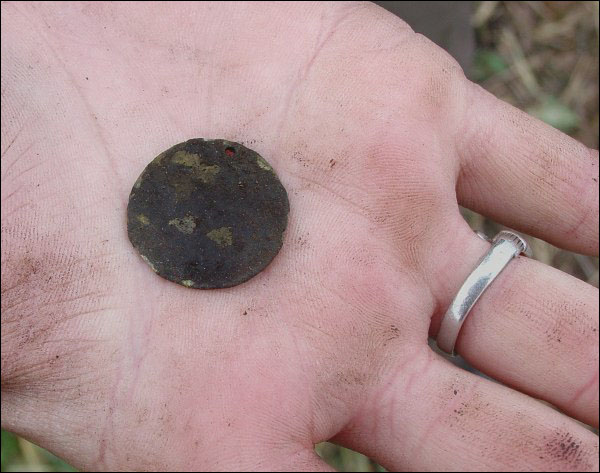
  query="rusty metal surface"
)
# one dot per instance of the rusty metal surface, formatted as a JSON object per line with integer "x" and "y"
{"x": 207, "y": 214}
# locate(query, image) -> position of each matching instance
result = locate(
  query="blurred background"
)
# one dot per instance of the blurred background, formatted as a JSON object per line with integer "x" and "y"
{"x": 539, "y": 56}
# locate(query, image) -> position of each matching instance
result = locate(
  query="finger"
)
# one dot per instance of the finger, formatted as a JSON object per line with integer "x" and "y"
{"x": 527, "y": 175}
{"x": 535, "y": 328}
{"x": 432, "y": 416}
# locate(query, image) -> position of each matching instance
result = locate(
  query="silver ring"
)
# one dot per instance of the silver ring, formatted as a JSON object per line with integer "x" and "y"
{"x": 505, "y": 246}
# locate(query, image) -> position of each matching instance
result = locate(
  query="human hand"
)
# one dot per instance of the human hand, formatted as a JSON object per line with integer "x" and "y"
{"x": 377, "y": 136}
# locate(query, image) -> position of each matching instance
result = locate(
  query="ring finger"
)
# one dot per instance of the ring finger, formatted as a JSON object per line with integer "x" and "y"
{"x": 535, "y": 328}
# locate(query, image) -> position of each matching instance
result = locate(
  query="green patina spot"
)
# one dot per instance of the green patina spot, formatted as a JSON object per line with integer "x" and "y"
{"x": 203, "y": 172}
{"x": 221, "y": 236}
{"x": 263, "y": 164}
{"x": 143, "y": 219}
{"x": 186, "y": 159}
{"x": 185, "y": 224}
{"x": 160, "y": 157}
{"x": 187, "y": 283}
{"x": 152, "y": 267}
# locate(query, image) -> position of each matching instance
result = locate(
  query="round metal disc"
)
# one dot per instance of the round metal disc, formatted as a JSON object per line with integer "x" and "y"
{"x": 207, "y": 214}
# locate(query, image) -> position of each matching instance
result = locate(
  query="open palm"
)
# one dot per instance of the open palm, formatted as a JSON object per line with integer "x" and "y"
{"x": 377, "y": 136}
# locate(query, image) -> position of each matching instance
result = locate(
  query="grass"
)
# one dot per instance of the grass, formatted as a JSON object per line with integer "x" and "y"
{"x": 20, "y": 455}
{"x": 539, "y": 56}
{"x": 543, "y": 58}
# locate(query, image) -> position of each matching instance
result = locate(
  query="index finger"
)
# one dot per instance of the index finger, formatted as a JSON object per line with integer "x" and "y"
{"x": 526, "y": 174}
